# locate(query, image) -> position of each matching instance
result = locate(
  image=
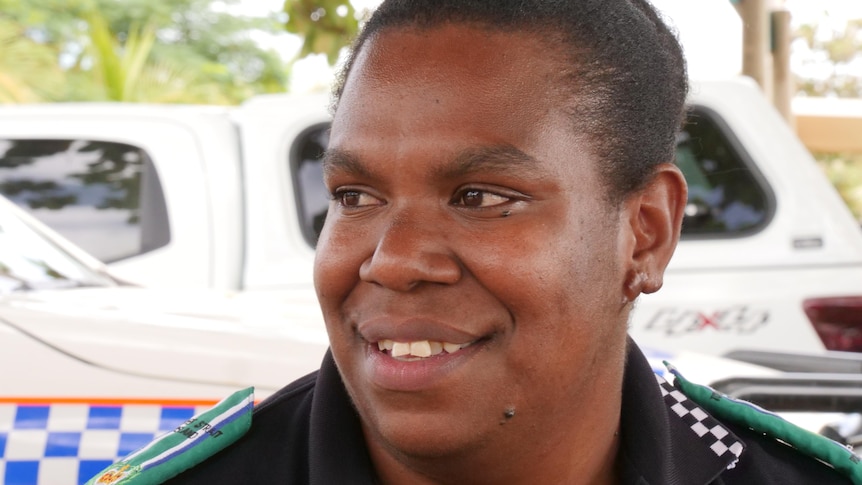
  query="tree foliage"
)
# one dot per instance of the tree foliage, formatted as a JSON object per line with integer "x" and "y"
{"x": 28, "y": 71}
{"x": 119, "y": 67}
{"x": 140, "y": 50}
{"x": 831, "y": 60}
{"x": 326, "y": 26}
{"x": 845, "y": 172}
{"x": 829, "y": 64}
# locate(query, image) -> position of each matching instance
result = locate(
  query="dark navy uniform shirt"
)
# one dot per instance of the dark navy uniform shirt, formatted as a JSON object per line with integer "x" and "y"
{"x": 309, "y": 433}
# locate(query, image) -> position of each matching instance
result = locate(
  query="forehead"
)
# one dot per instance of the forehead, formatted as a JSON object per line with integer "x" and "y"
{"x": 463, "y": 49}
{"x": 500, "y": 88}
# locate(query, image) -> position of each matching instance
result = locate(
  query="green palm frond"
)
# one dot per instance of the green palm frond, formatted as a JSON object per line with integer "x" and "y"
{"x": 119, "y": 66}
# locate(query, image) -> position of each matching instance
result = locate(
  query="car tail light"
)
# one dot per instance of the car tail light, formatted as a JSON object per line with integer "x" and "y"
{"x": 837, "y": 320}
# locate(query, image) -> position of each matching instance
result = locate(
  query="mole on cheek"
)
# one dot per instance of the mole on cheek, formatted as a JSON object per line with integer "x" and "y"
{"x": 508, "y": 414}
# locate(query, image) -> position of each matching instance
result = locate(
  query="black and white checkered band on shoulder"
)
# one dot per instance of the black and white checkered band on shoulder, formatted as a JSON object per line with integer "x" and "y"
{"x": 719, "y": 439}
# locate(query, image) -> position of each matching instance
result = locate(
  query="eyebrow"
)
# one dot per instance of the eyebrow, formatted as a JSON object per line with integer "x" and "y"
{"x": 344, "y": 161}
{"x": 497, "y": 158}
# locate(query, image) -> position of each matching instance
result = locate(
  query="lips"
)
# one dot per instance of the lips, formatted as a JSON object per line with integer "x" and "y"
{"x": 417, "y": 354}
{"x": 422, "y": 331}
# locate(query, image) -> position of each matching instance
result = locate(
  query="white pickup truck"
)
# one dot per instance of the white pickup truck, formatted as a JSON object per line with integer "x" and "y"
{"x": 232, "y": 199}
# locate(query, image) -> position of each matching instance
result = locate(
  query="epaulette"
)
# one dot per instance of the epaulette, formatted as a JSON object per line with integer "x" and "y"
{"x": 770, "y": 424}
{"x": 189, "y": 444}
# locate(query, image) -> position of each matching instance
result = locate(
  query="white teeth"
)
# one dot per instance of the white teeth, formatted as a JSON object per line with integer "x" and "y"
{"x": 418, "y": 348}
{"x": 451, "y": 348}
{"x": 400, "y": 349}
{"x": 436, "y": 347}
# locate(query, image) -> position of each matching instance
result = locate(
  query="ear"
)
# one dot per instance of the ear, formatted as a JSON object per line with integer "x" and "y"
{"x": 651, "y": 227}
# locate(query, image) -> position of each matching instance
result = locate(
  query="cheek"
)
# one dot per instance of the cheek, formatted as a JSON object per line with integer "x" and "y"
{"x": 338, "y": 256}
{"x": 549, "y": 273}
{"x": 566, "y": 310}
{"x": 335, "y": 274}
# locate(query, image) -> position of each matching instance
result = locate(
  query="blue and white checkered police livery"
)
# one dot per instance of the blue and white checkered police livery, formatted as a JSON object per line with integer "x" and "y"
{"x": 66, "y": 444}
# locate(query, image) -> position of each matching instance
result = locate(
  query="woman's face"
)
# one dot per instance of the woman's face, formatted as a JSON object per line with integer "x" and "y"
{"x": 470, "y": 270}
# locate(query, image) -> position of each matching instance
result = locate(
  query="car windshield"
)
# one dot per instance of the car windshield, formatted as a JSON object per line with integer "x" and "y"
{"x": 30, "y": 260}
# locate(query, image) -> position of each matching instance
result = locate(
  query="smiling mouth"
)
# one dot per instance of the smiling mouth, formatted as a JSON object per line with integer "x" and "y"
{"x": 419, "y": 349}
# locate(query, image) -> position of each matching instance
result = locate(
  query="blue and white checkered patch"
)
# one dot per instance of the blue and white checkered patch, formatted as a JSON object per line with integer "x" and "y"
{"x": 66, "y": 444}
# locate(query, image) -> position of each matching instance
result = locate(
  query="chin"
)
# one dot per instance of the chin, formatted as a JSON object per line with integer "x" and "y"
{"x": 431, "y": 437}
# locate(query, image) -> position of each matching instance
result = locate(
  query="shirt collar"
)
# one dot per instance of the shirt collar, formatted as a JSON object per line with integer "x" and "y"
{"x": 337, "y": 446}
{"x": 665, "y": 437}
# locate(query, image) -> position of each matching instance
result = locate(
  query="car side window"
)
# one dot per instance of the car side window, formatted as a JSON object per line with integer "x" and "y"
{"x": 306, "y": 163}
{"x": 727, "y": 196}
{"x": 103, "y": 196}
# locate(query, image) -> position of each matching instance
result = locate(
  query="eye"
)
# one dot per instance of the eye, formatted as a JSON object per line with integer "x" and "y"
{"x": 476, "y": 198}
{"x": 355, "y": 199}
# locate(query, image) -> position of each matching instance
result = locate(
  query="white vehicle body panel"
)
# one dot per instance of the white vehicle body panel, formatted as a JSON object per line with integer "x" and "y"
{"x": 746, "y": 292}
{"x": 93, "y": 370}
{"x": 277, "y": 256}
{"x": 201, "y": 191}
{"x": 123, "y": 337}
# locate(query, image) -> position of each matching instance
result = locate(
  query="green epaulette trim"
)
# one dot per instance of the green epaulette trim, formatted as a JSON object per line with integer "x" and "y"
{"x": 189, "y": 444}
{"x": 727, "y": 408}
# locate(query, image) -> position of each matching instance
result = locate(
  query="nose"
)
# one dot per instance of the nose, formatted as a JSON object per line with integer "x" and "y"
{"x": 409, "y": 253}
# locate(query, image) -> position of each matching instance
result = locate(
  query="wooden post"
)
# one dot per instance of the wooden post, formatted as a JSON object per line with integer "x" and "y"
{"x": 783, "y": 85}
{"x": 829, "y": 124}
{"x": 755, "y": 41}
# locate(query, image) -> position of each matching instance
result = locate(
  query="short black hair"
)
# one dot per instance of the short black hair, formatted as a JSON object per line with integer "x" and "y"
{"x": 628, "y": 75}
